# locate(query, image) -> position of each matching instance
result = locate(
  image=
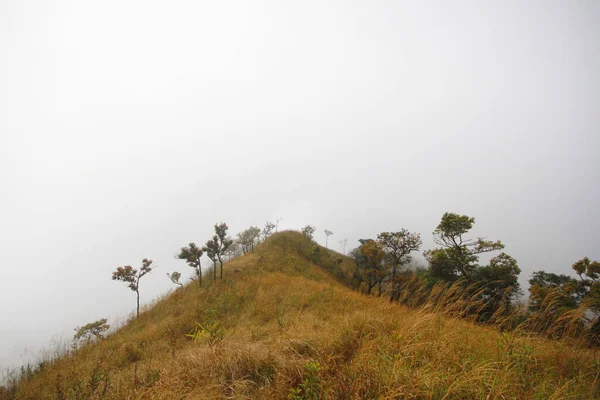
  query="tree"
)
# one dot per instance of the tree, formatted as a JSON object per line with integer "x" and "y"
{"x": 343, "y": 244}
{"x": 211, "y": 248}
{"x": 277, "y": 224}
{"x": 249, "y": 238}
{"x": 174, "y": 277}
{"x": 132, "y": 277}
{"x": 500, "y": 283}
{"x": 268, "y": 230}
{"x": 192, "y": 255}
{"x": 308, "y": 231}
{"x": 369, "y": 260}
{"x": 327, "y": 234}
{"x": 223, "y": 242}
{"x": 397, "y": 247}
{"x": 93, "y": 329}
{"x": 566, "y": 293}
{"x": 458, "y": 256}
{"x": 234, "y": 250}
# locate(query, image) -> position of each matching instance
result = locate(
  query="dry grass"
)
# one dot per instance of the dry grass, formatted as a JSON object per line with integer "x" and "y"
{"x": 290, "y": 325}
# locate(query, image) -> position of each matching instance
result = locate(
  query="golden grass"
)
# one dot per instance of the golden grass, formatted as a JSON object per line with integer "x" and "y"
{"x": 280, "y": 313}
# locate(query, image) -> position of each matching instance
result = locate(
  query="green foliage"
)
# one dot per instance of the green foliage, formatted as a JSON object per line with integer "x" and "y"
{"x": 210, "y": 333}
{"x": 561, "y": 303}
{"x": 369, "y": 259}
{"x": 494, "y": 285}
{"x": 457, "y": 258}
{"x": 192, "y": 255}
{"x": 311, "y": 387}
{"x": 93, "y": 329}
{"x": 499, "y": 282}
{"x": 175, "y": 278}
{"x": 211, "y": 248}
{"x": 308, "y": 231}
{"x": 222, "y": 242}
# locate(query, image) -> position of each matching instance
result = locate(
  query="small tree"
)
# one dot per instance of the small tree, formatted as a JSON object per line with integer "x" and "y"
{"x": 308, "y": 231}
{"x": 249, "y": 238}
{"x": 174, "y": 277}
{"x": 93, "y": 329}
{"x": 500, "y": 283}
{"x": 223, "y": 242}
{"x": 268, "y": 230}
{"x": 132, "y": 277}
{"x": 327, "y": 234}
{"x": 369, "y": 264}
{"x": 343, "y": 244}
{"x": 397, "y": 247}
{"x": 211, "y": 248}
{"x": 192, "y": 256}
{"x": 233, "y": 250}
{"x": 277, "y": 224}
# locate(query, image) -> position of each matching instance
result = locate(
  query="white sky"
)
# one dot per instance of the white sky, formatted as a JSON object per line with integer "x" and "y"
{"x": 127, "y": 129}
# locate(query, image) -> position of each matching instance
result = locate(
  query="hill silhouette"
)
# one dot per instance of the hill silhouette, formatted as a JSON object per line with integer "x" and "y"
{"x": 284, "y": 322}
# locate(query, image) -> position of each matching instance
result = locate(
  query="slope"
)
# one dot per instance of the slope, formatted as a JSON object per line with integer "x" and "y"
{"x": 284, "y": 324}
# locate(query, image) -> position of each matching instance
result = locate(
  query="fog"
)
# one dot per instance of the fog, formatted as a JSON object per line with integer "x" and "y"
{"x": 128, "y": 129}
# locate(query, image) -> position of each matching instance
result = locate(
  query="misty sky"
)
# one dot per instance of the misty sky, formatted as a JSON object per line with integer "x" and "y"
{"x": 128, "y": 128}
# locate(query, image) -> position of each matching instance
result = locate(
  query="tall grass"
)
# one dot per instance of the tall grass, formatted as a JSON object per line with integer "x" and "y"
{"x": 292, "y": 328}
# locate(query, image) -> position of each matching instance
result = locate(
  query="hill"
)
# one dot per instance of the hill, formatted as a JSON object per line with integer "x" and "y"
{"x": 284, "y": 323}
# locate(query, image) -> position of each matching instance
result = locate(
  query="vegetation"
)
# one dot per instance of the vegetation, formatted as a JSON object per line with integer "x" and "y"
{"x": 562, "y": 305}
{"x": 327, "y": 234}
{"x": 308, "y": 231}
{"x": 223, "y": 242}
{"x": 175, "y": 278}
{"x": 193, "y": 255}
{"x": 132, "y": 277}
{"x": 291, "y": 319}
{"x": 249, "y": 238}
{"x": 94, "y": 329}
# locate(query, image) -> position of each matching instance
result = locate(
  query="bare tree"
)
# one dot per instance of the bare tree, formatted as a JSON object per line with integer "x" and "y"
{"x": 327, "y": 234}
{"x": 277, "y": 224}
{"x": 268, "y": 230}
{"x": 132, "y": 277}
{"x": 234, "y": 250}
{"x": 343, "y": 244}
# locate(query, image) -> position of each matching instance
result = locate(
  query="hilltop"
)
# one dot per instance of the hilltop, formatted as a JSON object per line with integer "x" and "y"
{"x": 284, "y": 322}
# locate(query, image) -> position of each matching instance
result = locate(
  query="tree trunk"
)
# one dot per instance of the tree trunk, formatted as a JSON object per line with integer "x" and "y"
{"x": 221, "y": 262}
{"x": 199, "y": 272}
{"x": 137, "y": 292}
{"x": 214, "y": 270}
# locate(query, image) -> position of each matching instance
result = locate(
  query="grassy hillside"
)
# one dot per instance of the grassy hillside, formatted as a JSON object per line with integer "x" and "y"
{"x": 279, "y": 326}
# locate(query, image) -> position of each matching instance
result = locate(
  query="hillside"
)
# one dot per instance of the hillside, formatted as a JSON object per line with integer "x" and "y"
{"x": 279, "y": 325}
